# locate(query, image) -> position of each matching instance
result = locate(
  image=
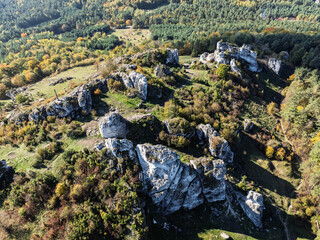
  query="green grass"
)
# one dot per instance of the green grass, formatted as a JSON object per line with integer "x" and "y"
{"x": 43, "y": 90}
{"x": 187, "y": 59}
{"x": 133, "y": 36}
{"x": 216, "y": 234}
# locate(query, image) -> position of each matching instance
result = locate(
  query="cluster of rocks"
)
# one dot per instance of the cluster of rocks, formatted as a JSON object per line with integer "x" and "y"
{"x": 15, "y": 91}
{"x": 275, "y": 65}
{"x": 218, "y": 146}
{"x": 6, "y": 174}
{"x": 60, "y": 80}
{"x": 80, "y": 99}
{"x": 227, "y": 53}
{"x": 135, "y": 81}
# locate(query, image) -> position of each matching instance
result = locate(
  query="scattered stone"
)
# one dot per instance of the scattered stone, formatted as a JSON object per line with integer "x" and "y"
{"x": 99, "y": 146}
{"x": 253, "y": 206}
{"x": 60, "y": 80}
{"x": 247, "y": 125}
{"x": 275, "y": 65}
{"x": 113, "y": 126}
{"x": 224, "y": 235}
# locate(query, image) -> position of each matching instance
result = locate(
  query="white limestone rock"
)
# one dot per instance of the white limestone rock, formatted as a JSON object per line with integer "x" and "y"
{"x": 172, "y": 57}
{"x": 6, "y": 174}
{"x": 220, "y": 148}
{"x": 121, "y": 148}
{"x": 113, "y": 126}
{"x": 205, "y": 131}
{"x": 253, "y": 206}
{"x": 275, "y": 65}
{"x": 140, "y": 83}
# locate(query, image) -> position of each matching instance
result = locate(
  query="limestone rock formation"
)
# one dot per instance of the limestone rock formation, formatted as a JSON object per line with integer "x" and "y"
{"x": 134, "y": 80}
{"x": 162, "y": 71}
{"x": 121, "y": 148}
{"x": 113, "y": 126}
{"x": 71, "y": 104}
{"x": 172, "y": 184}
{"x": 206, "y": 131}
{"x": 247, "y": 125}
{"x": 6, "y": 174}
{"x": 207, "y": 58}
{"x": 172, "y": 57}
{"x": 235, "y": 68}
{"x": 212, "y": 174}
{"x": 227, "y": 53}
{"x": 253, "y": 206}
{"x": 220, "y": 148}
{"x": 275, "y": 65}
{"x": 15, "y": 91}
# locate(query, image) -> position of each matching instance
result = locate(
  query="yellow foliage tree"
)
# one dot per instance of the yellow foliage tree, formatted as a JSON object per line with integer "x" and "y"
{"x": 269, "y": 152}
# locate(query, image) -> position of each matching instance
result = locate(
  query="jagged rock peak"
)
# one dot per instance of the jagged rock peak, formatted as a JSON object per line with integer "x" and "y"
{"x": 172, "y": 184}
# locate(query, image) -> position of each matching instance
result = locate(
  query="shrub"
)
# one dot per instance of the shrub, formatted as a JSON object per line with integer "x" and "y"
{"x": 222, "y": 71}
{"x": 61, "y": 189}
{"x": 20, "y": 98}
{"x": 280, "y": 154}
{"x": 269, "y": 152}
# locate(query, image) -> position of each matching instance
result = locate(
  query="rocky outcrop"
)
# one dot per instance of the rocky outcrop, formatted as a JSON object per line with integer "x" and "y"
{"x": 134, "y": 80}
{"x": 218, "y": 146}
{"x": 284, "y": 55}
{"x": 80, "y": 99}
{"x": 6, "y": 175}
{"x": 172, "y": 57}
{"x": 205, "y": 131}
{"x": 212, "y": 174}
{"x": 253, "y": 206}
{"x": 58, "y": 81}
{"x": 162, "y": 71}
{"x": 17, "y": 117}
{"x": 113, "y": 126}
{"x": 207, "y": 58}
{"x": 15, "y": 91}
{"x": 235, "y": 68}
{"x": 227, "y": 53}
{"x": 172, "y": 184}
{"x": 275, "y": 65}
{"x": 247, "y": 125}
{"x": 121, "y": 148}
{"x": 139, "y": 82}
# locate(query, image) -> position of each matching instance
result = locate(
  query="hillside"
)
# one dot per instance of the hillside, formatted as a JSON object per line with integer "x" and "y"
{"x": 159, "y": 119}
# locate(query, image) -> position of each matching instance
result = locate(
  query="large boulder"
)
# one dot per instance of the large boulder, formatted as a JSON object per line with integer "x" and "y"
{"x": 140, "y": 84}
{"x": 247, "y": 125}
{"x": 113, "y": 126}
{"x": 247, "y": 54}
{"x": 121, "y": 148}
{"x": 170, "y": 183}
{"x": 253, "y": 206}
{"x": 172, "y": 57}
{"x": 220, "y": 148}
{"x": 6, "y": 174}
{"x": 275, "y": 65}
{"x": 207, "y": 58}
